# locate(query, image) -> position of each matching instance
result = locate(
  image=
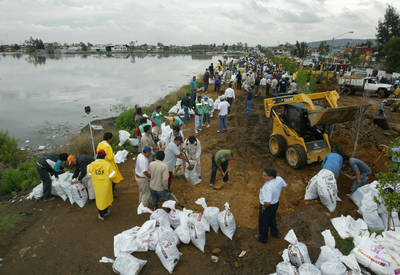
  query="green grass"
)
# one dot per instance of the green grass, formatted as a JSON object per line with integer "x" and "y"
{"x": 22, "y": 178}
{"x": 9, "y": 221}
{"x": 344, "y": 245}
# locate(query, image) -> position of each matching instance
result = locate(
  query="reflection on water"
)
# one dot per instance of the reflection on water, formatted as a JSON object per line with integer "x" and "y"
{"x": 49, "y": 92}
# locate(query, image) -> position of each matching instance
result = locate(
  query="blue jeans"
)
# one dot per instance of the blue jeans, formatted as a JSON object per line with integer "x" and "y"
{"x": 249, "y": 107}
{"x": 222, "y": 123}
{"x": 205, "y": 86}
{"x": 156, "y": 196}
{"x": 186, "y": 110}
{"x": 198, "y": 122}
{"x": 363, "y": 179}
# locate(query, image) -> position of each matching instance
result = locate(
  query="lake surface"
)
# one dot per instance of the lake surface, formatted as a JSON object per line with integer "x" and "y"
{"x": 42, "y": 98}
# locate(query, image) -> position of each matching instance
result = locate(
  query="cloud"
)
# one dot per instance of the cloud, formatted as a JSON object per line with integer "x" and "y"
{"x": 187, "y": 22}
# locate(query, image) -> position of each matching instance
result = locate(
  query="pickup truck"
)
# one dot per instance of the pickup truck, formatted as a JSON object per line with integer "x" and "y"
{"x": 351, "y": 84}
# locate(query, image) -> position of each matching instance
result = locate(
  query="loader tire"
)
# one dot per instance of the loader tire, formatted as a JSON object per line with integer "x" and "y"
{"x": 296, "y": 156}
{"x": 277, "y": 145}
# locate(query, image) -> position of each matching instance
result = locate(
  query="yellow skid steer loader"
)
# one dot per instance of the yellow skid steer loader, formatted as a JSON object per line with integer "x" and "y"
{"x": 300, "y": 125}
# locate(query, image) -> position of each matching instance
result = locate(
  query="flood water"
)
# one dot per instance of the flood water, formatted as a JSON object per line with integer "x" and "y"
{"x": 42, "y": 98}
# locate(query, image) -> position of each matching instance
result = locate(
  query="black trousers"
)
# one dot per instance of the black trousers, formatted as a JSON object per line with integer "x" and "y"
{"x": 230, "y": 100}
{"x": 45, "y": 177}
{"x": 224, "y": 166}
{"x": 267, "y": 221}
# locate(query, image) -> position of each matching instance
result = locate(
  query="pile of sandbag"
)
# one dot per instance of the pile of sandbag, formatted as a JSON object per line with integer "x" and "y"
{"x": 120, "y": 156}
{"x": 62, "y": 187}
{"x": 178, "y": 110}
{"x": 163, "y": 232}
{"x": 374, "y": 214}
{"x": 330, "y": 261}
{"x": 323, "y": 185}
{"x": 381, "y": 254}
{"x": 125, "y": 136}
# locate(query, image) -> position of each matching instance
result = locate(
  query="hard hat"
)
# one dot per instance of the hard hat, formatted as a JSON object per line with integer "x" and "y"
{"x": 171, "y": 119}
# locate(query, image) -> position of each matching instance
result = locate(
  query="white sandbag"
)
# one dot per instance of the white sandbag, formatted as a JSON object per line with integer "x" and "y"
{"x": 79, "y": 194}
{"x": 376, "y": 257}
{"x": 182, "y": 230}
{"x": 128, "y": 265}
{"x": 328, "y": 238}
{"x": 168, "y": 254}
{"x": 361, "y": 192}
{"x": 120, "y": 156}
{"x": 174, "y": 109}
{"x": 226, "y": 222}
{"x": 159, "y": 215}
{"x": 328, "y": 254}
{"x": 125, "y": 242}
{"x": 37, "y": 192}
{"x": 134, "y": 141}
{"x": 173, "y": 214}
{"x": 210, "y": 213}
{"x": 333, "y": 268}
{"x": 309, "y": 269}
{"x": 197, "y": 235}
{"x": 165, "y": 133}
{"x": 58, "y": 190}
{"x": 312, "y": 186}
{"x": 179, "y": 169}
{"x": 351, "y": 262}
{"x": 285, "y": 268}
{"x": 348, "y": 227}
{"x": 191, "y": 175}
{"x": 167, "y": 234}
{"x": 200, "y": 220}
{"x": 123, "y": 137}
{"x": 369, "y": 211}
{"x": 327, "y": 189}
{"x": 298, "y": 252}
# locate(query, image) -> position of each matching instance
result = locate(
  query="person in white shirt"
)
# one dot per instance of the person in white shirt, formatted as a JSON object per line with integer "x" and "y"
{"x": 269, "y": 202}
{"x": 223, "y": 108}
{"x": 267, "y": 87}
{"x": 192, "y": 147}
{"x": 142, "y": 175}
{"x": 274, "y": 86}
{"x": 172, "y": 153}
{"x": 263, "y": 83}
{"x": 230, "y": 96}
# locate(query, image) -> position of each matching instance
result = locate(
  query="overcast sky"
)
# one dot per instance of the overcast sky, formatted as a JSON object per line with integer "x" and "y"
{"x": 266, "y": 22}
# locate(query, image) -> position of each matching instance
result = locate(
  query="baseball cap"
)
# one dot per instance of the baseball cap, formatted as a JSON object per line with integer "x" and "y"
{"x": 147, "y": 149}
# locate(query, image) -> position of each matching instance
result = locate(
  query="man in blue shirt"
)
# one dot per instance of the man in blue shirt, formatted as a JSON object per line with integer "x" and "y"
{"x": 360, "y": 169}
{"x": 193, "y": 89}
{"x": 333, "y": 162}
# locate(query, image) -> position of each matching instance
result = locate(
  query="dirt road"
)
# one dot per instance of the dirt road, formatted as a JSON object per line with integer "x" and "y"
{"x": 57, "y": 238}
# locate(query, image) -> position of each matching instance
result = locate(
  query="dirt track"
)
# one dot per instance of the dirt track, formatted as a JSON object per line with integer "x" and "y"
{"x": 56, "y": 238}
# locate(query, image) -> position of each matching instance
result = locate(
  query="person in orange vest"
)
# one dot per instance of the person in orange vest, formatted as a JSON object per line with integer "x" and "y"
{"x": 106, "y": 146}
{"x": 102, "y": 174}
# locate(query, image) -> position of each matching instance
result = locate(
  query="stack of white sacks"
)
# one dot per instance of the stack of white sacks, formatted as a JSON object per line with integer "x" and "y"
{"x": 323, "y": 185}
{"x": 163, "y": 232}
{"x": 62, "y": 187}
{"x": 330, "y": 261}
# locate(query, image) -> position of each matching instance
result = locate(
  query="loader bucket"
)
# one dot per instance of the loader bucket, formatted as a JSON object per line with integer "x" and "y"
{"x": 332, "y": 115}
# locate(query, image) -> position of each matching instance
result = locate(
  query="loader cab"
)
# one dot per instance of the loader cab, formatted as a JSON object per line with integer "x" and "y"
{"x": 295, "y": 115}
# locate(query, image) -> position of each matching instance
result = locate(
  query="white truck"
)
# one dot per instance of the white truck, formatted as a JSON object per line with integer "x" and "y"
{"x": 349, "y": 84}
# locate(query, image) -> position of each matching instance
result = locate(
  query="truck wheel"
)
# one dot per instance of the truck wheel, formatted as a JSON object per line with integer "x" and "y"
{"x": 277, "y": 145}
{"x": 381, "y": 93}
{"x": 296, "y": 157}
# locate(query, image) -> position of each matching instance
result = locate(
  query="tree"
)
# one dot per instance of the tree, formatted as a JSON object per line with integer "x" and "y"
{"x": 389, "y": 183}
{"x": 301, "y": 49}
{"x": 83, "y": 46}
{"x": 354, "y": 56}
{"x": 388, "y": 28}
{"x": 392, "y": 55}
{"x": 15, "y": 47}
{"x": 323, "y": 48}
{"x": 32, "y": 45}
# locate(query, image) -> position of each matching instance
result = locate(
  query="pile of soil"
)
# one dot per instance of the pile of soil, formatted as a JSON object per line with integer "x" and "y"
{"x": 55, "y": 237}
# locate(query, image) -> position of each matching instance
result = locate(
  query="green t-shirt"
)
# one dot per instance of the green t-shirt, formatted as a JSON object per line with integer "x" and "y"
{"x": 206, "y": 107}
{"x": 222, "y": 156}
{"x": 141, "y": 127}
{"x": 157, "y": 117}
{"x": 199, "y": 107}
{"x": 177, "y": 121}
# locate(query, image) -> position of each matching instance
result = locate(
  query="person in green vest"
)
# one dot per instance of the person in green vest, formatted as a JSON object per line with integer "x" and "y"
{"x": 198, "y": 114}
{"x": 206, "y": 115}
{"x": 175, "y": 121}
{"x": 157, "y": 117}
{"x": 220, "y": 161}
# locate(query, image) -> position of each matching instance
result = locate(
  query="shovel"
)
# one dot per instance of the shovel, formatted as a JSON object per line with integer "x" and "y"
{"x": 191, "y": 166}
{"x": 179, "y": 204}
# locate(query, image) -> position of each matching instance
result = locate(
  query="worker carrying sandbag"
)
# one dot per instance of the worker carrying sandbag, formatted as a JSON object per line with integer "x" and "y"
{"x": 192, "y": 149}
{"x": 106, "y": 146}
{"x": 47, "y": 166}
{"x": 103, "y": 175}
{"x": 81, "y": 164}
{"x": 220, "y": 161}
{"x": 361, "y": 170}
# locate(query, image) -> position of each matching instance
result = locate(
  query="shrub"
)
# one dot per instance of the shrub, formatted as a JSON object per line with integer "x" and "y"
{"x": 20, "y": 179}
{"x": 125, "y": 121}
{"x": 10, "y": 155}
